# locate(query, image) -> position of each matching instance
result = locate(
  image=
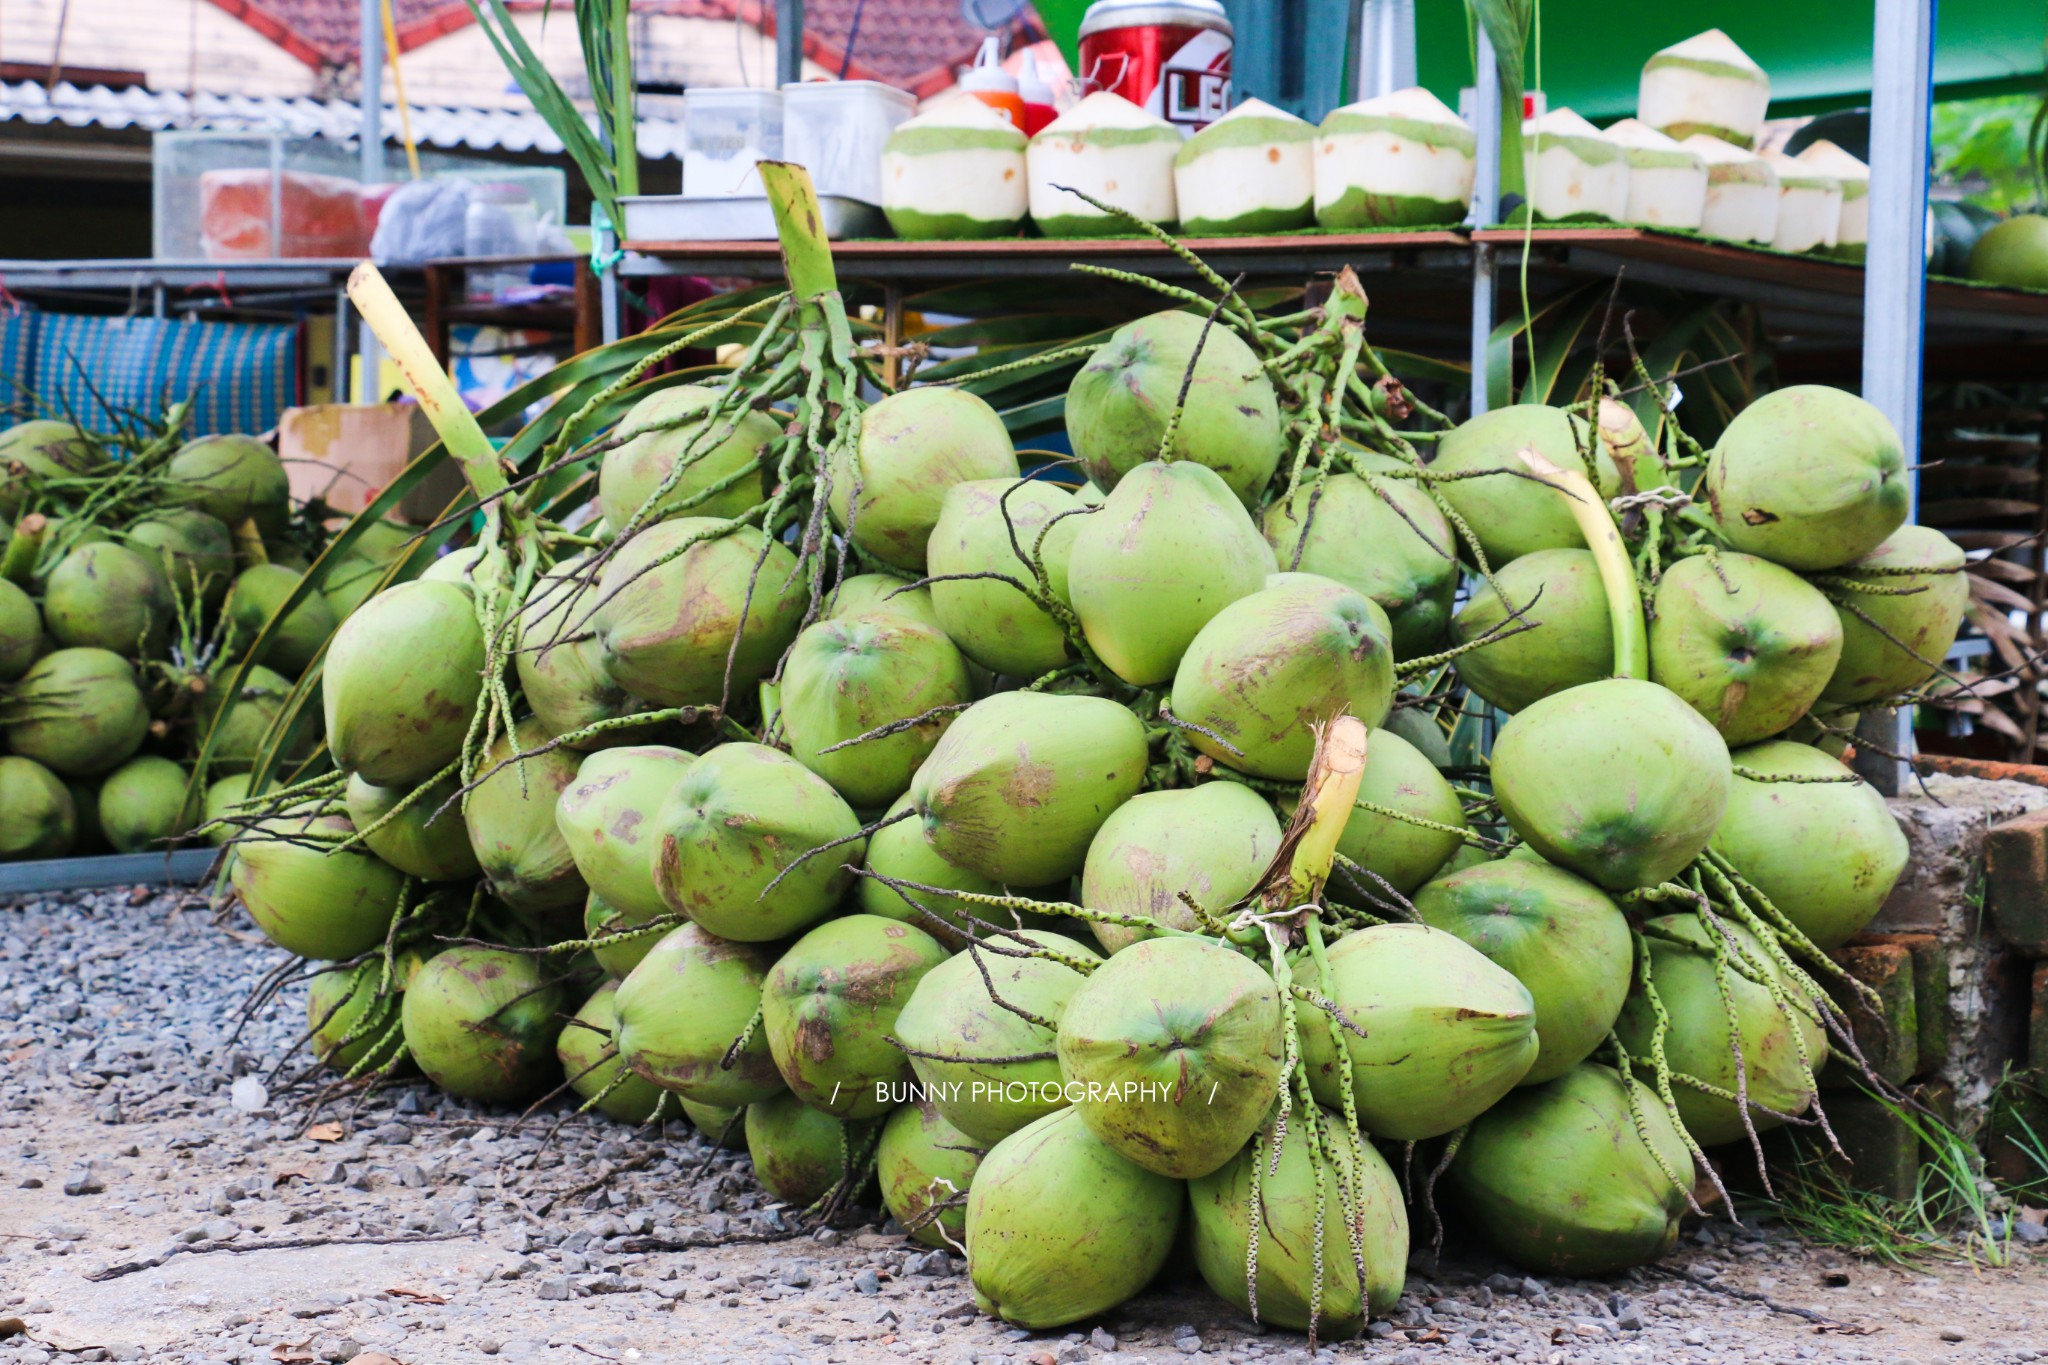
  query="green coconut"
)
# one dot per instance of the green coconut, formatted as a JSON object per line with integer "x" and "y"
{"x": 105, "y": 596}
{"x": 510, "y": 816}
{"x": 899, "y": 852}
{"x": 993, "y": 623}
{"x": 21, "y": 631}
{"x": 914, "y": 446}
{"x": 85, "y": 801}
{"x": 602, "y": 920}
{"x": 1177, "y": 1043}
{"x": 926, "y": 1166}
{"x": 1269, "y": 669}
{"x": 735, "y": 824}
{"x": 1437, "y": 1033}
{"x": 1284, "y": 1207}
{"x": 667, "y": 428}
{"x": 721, "y": 1126}
{"x": 1041, "y": 1251}
{"x": 295, "y": 641}
{"x": 1558, "y": 934}
{"x": 1171, "y": 547}
{"x": 1568, "y": 639}
{"x": 142, "y": 804}
{"x": 457, "y": 566}
{"x": 1747, "y": 644}
{"x": 1892, "y": 644}
{"x": 869, "y": 594}
{"x": 590, "y": 1060}
{"x": 426, "y": 839}
{"x": 353, "y": 1018}
{"x": 239, "y": 721}
{"x": 482, "y": 1024}
{"x": 1212, "y": 842}
{"x": 845, "y": 678}
{"x": 799, "y": 1152}
{"x": 666, "y": 633}
{"x": 606, "y": 816}
{"x": 1119, "y": 403}
{"x": 1021, "y": 781}
{"x": 1822, "y": 847}
{"x": 1585, "y": 1175}
{"x": 196, "y": 551}
{"x": 1808, "y": 477}
{"x": 348, "y": 584}
{"x": 1510, "y": 513}
{"x": 309, "y": 896}
{"x": 1387, "y": 539}
{"x": 38, "y": 451}
{"x": 2013, "y": 253}
{"x": 829, "y": 1011}
{"x": 1420, "y": 728}
{"x": 401, "y": 683}
{"x": 1620, "y": 781}
{"x": 38, "y": 817}
{"x": 561, "y": 665}
{"x": 78, "y": 712}
{"x": 965, "y": 1047}
{"x": 232, "y": 479}
{"x": 1705, "y": 1035}
{"x": 1398, "y": 777}
{"x": 220, "y": 795}
{"x": 681, "y": 1010}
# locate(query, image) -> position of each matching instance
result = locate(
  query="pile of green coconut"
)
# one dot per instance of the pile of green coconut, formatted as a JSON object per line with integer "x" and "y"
{"x": 1075, "y": 854}
{"x": 138, "y": 572}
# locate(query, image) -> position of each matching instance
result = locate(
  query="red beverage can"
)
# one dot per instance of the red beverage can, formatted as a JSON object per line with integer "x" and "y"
{"x": 1171, "y": 58}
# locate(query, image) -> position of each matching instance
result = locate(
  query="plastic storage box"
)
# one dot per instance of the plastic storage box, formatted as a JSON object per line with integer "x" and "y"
{"x": 837, "y": 128}
{"x": 254, "y": 196}
{"x": 724, "y": 133}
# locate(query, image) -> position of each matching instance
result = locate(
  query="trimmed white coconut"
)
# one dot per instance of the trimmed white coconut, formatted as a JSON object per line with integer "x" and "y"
{"x": 1809, "y": 205}
{"x": 1742, "y": 191}
{"x": 1853, "y": 235}
{"x": 1667, "y": 182}
{"x": 1705, "y": 84}
{"x": 1253, "y": 170}
{"x": 1403, "y": 159}
{"x": 1573, "y": 171}
{"x": 954, "y": 171}
{"x": 1111, "y": 149}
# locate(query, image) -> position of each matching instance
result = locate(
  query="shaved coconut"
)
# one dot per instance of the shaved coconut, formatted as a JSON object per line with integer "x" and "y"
{"x": 1854, "y": 232}
{"x": 1705, "y": 84}
{"x": 954, "y": 171}
{"x": 1253, "y": 170}
{"x": 1107, "y": 147}
{"x": 1573, "y": 171}
{"x": 1397, "y": 160}
{"x": 1667, "y": 182}
{"x": 1742, "y": 192}
{"x": 1809, "y": 205}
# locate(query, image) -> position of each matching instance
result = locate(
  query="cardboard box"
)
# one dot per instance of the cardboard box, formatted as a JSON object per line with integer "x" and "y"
{"x": 345, "y": 454}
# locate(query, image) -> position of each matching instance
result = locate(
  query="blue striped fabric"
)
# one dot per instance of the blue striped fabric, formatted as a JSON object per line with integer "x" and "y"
{"x": 240, "y": 376}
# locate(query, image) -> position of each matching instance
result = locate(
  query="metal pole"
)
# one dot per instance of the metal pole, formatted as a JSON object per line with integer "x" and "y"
{"x": 370, "y": 101}
{"x": 1485, "y": 206}
{"x": 789, "y": 41}
{"x": 1895, "y": 279}
{"x": 608, "y": 311}
{"x": 1386, "y": 47}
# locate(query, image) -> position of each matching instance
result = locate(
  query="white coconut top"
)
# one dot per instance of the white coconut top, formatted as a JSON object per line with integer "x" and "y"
{"x": 1561, "y": 123}
{"x": 959, "y": 111}
{"x": 1791, "y": 171}
{"x": 1102, "y": 110}
{"x": 1711, "y": 46}
{"x": 1413, "y": 103}
{"x": 1715, "y": 152}
{"x": 1257, "y": 108}
{"x": 1827, "y": 159}
{"x": 1635, "y": 133}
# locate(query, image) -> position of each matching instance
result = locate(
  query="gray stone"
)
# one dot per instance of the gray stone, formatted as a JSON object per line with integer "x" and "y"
{"x": 1101, "y": 1340}
{"x": 867, "y": 1282}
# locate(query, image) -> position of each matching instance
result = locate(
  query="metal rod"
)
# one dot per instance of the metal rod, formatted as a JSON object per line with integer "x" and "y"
{"x": 1485, "y": 205}
{"x": 370, "y": 100}
{"x": 789, "y": 41}
{"x": 1895, "y": 278}
{"x": 1385, "y": 51}
{"x": 608, "y": 305}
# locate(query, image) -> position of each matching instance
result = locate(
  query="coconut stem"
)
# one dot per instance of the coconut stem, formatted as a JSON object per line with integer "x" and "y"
{"x": 1617, "y": 573}
{"x": 1326, "y": 803}
{"x": 19, "y": 563}
{"x": 806, "y": 253}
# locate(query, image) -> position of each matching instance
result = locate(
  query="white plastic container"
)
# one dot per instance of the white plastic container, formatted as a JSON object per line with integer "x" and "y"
{"x": 837, "y": 130}
{"x": 724, "y": 133}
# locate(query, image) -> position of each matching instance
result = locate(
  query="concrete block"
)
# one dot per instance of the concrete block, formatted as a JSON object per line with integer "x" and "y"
{"x": 1945, "y": 827}
{"x": 2016, "y": 1139}
{"x": 2016, "y": 882}
{"x": 1883, "y": 1150}
{"x": 1887, "y": 1031}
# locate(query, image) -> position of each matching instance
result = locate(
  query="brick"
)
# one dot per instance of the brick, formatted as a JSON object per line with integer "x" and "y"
{"x": 2016, "y": 881}
{"x": 2013, "y": 1154}
{"x": 1931, "y": 1005}
{"x": 1889, "y": 1035}
{"x": 1883, "y": 1151}
{"x": 2037, "y": 1020}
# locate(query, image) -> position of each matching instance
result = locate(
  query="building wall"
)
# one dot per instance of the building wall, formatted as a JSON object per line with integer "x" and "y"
{"x": 176, "y": 44}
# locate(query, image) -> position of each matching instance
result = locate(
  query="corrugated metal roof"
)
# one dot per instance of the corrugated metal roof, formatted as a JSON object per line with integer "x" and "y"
{"x": 483, "y": 130}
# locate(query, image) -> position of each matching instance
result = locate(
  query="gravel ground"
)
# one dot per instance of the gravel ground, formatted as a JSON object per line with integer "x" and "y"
{"x": 157, "y": 1202}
